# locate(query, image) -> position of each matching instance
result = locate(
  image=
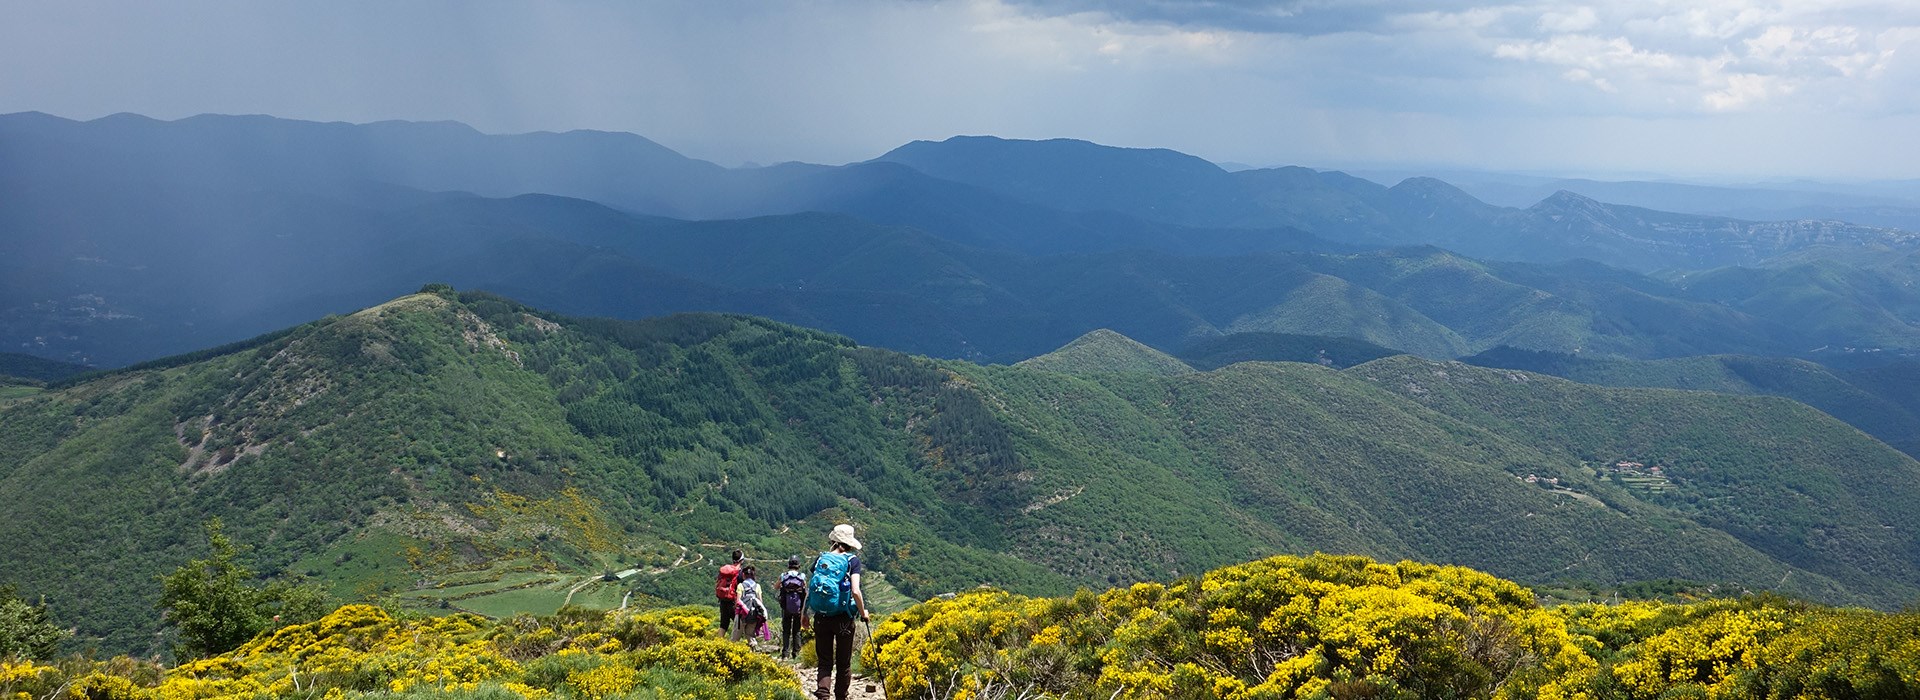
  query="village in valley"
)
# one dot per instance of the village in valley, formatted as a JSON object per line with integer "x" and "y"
{"x": 1625, "y": 472}
{"x": 1638, "y": 475}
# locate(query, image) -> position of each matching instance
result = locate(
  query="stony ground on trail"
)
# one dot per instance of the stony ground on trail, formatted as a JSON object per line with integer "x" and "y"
{"x": 864, "y": 688}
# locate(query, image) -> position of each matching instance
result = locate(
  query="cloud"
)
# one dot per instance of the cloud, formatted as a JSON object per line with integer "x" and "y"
{"x": 1578, "y": 19}
{"x": 1731, "y": 59}
{"x": 1643, "y": 56}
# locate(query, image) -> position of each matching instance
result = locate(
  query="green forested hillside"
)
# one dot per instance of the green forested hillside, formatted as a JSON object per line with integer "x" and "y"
{"x": 470, "y": 453}
{"x": 1836, "y": 305}
{"x": 426, "y": 436}
{"x": 1106, "y": 351}
{"x": 1879, "y": 398}
{"x": 1766, "y": 470}
{"x": 36, "y": 368}
{"x": 1897, "y": 382}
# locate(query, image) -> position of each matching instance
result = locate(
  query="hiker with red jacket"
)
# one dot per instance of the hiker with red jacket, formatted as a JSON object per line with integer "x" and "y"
{"x": 834, "y": 597}
{"x": 723, "y": 589}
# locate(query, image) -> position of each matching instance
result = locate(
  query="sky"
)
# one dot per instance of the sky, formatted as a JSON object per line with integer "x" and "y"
{"x": 1703, "y": 89}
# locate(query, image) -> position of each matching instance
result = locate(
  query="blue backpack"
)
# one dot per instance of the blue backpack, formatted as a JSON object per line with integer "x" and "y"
{"x": 830, "y": 590}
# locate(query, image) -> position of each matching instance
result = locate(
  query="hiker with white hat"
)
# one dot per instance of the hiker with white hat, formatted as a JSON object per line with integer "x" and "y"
{"x": 834, "y": 597}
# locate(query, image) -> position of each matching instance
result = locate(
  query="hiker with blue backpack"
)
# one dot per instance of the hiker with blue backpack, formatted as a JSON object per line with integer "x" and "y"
{"x": 792, "y": 595}
{"x": 834, "y": 598}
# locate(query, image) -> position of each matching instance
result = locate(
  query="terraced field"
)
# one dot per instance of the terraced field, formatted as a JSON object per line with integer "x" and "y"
{"x": 882, "y": 598}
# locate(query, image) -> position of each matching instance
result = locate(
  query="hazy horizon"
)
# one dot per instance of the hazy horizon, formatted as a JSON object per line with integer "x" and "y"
{"x": 1385, "y": 173}
{"x": 1724, "y": 91}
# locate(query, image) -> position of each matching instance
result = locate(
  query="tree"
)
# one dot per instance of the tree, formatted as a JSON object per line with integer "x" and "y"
{"x": 217, "y": 607}
{"x": 25, "y": 631}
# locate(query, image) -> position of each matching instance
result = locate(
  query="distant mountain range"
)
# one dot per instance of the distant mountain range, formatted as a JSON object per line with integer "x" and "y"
{"x": 440, "y": 436}
{"x": 1167, "y": 186}
{"x": 135, "y": 291}
{"x": 1893, "y": 204}
{"x": 126, "y": 238}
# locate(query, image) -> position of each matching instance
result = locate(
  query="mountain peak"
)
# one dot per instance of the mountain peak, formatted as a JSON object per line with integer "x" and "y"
{"x": 966, "y": 157}
{"x": 420, "y": 301}
{"x": 1429, "y": 186}
{"x": 1155, "y": 184}
{"x": 1437, "y": 192}
{"x": 1103, "y": 351}
{"x": 1567, "y": 199}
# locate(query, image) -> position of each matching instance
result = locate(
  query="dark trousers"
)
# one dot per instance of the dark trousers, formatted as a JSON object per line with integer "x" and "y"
{"x": 726, "y": 615}
{"x": 833, "y": 643}
{"x": 790, "y": 634}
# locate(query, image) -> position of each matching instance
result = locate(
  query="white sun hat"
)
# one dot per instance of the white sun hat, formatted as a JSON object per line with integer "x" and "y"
{"x": 844, "y": 535}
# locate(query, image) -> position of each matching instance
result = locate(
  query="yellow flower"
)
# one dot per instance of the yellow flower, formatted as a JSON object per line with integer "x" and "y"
{"x": 603, "y": 682}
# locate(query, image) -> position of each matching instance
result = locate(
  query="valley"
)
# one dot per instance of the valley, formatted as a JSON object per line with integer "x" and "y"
{"x": 981, "y": 349}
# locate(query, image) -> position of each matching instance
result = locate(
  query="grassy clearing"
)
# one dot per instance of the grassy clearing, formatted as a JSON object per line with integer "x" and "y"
{"x": 362, "y": 567}
{"x": 600, "y": 595}
{"x": 537, "y": 600}
{"x": 15, "y": 393}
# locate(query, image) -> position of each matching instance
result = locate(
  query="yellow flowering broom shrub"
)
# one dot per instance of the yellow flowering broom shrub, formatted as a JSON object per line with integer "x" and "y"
{"x": 1349, "y": 627}
{"x": 663, "y": 626}
{"x": 361, "y": 651}
{"x": 1286, "y": 627}
{"x": 1711, "y": 655}
{"x": 23, "y": 680}
{"x": 1841, "y": 654}
{"x": 1281, "y": 627}
{"x": 939, "y": 645}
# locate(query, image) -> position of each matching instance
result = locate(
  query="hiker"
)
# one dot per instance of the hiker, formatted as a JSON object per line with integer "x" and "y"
{"x": 834, "y": 597}
{"x": 723, "y": 589}
{"x": 792, "y": 595}
{"x": 752, "y": 610}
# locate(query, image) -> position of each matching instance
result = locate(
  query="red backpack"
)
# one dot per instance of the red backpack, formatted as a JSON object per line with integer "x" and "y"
{"x": 729, "y": 577}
